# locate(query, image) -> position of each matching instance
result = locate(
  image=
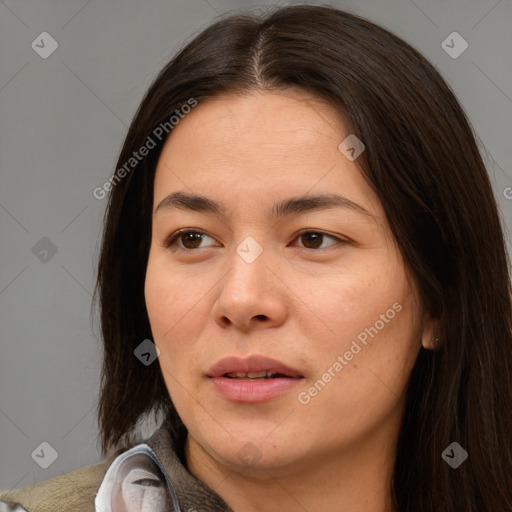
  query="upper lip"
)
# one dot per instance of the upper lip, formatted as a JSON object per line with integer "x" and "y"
{"x": 253, "y": 363}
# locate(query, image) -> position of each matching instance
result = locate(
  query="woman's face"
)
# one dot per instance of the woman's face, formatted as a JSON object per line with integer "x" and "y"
{"x": 319, "y": 287}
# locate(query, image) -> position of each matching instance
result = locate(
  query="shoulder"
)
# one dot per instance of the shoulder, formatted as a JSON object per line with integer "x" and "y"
{"x": 69, "y": 491}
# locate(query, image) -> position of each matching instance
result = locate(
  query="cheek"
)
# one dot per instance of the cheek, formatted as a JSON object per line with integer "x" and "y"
{"x": 374, "y": 325}
{"x": 357, "y": 385}
{"x": 170, "y": 311}
{"x": 379, "y": 340}
{"x": 173, "y": 310}
{"x": 168, "y": 294}
{"x": 349, "y": 303}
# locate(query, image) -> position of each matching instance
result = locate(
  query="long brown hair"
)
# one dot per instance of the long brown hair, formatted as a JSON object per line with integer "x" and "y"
{"x": 422, "y": 160}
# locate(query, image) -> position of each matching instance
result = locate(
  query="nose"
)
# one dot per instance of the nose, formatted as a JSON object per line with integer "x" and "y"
{"x": 250, "y": 295}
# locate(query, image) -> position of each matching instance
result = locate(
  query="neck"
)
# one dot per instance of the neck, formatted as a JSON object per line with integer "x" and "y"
{"x": 357, "y": 479}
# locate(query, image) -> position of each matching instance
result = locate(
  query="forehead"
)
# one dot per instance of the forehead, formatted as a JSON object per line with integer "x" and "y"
{"x": 263, "y": 145}
{"x": 267, "y": 124}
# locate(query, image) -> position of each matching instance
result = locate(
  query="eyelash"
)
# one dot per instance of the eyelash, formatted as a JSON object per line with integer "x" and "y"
{"x": 171, "y": 242}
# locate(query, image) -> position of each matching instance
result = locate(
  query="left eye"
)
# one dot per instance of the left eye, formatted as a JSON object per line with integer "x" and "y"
{"x": 194, "y": 238}
{"x": 314, "y": 237}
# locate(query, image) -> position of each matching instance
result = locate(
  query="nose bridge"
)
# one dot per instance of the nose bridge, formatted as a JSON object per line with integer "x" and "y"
{"x": 249, "y": 250}
{"x": 248, "y": 265}
{"x": 245, "y": 292}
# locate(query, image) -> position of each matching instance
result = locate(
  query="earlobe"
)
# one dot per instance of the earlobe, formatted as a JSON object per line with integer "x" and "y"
{"x": 434, "y": 344}
{"x": 429, "y": 339}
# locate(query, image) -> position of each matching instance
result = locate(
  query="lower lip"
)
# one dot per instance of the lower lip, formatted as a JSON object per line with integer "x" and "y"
{"x": 251, "y": 391}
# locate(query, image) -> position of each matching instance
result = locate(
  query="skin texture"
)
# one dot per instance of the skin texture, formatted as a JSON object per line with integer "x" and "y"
{"x": 303, "y": 301}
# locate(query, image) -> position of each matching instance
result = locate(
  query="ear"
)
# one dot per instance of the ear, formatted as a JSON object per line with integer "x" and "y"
{"x": 429, "y": 339}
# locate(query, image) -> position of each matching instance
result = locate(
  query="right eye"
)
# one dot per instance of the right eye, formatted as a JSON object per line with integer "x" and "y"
{"x": 186, "y": 236}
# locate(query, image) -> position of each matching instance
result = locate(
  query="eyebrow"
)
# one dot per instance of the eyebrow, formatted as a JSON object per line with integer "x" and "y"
{"x": 286, "y": 207}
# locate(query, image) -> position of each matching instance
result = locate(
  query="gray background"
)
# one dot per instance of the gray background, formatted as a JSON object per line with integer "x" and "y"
{"x": 62, "y": 124}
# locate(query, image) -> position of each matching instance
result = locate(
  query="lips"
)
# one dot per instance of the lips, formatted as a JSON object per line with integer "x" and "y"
{"x": 255, "y": 375}
{"x": 253, "y": 380}
{"x": 252, "y": 367}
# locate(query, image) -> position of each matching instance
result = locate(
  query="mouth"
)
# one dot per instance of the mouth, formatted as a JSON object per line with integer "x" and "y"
{"x": 252, "y": 367}
{"x": 253, "y": 379}
{"x": 257, "y": 375}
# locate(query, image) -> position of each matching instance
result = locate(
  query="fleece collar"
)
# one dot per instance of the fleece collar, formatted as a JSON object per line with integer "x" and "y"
{"x": 151, "y": 477}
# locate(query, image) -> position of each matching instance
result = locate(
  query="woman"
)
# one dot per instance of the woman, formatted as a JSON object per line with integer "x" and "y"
{"x": 303, "y": 269}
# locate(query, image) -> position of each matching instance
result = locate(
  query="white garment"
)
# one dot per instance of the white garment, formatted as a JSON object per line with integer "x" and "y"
{"x": 7, "y": 507}
{"x": 135, "y": 482}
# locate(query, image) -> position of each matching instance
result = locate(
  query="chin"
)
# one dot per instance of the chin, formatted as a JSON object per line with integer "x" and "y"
{"x": 252, "y": 452}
